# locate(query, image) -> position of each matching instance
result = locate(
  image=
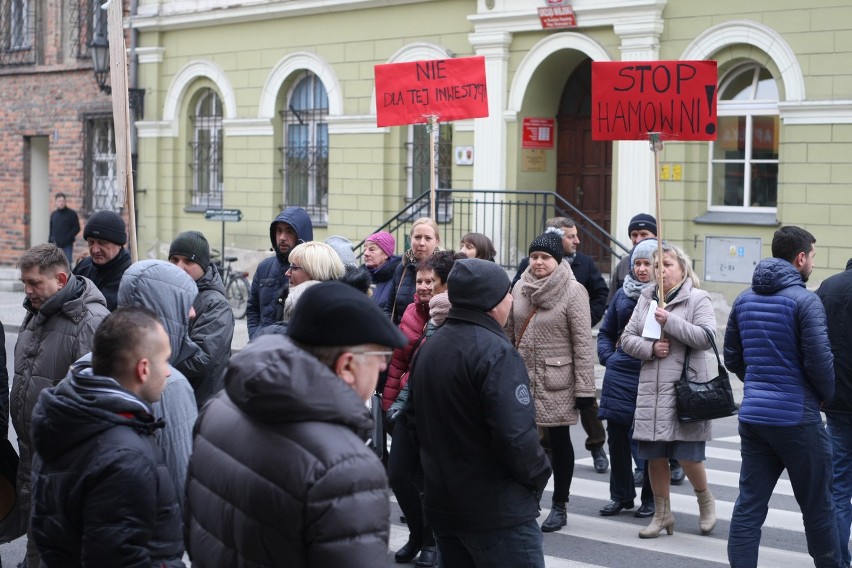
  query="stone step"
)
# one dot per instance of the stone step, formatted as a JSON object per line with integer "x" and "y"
{"x": 10, "y": 279}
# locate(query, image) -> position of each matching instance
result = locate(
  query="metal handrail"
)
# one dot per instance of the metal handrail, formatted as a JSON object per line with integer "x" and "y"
{"x": 510, "y": 218}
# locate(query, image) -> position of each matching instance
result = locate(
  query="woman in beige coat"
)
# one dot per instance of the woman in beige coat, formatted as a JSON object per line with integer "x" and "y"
{"x": 687, "y": 313}
{"x": 550, "y": 326}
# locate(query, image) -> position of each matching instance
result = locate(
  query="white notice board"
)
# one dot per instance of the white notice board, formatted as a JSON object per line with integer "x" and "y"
{"x": 731, "y": 259}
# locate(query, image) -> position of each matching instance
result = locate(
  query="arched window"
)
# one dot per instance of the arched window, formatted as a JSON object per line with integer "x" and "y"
{"x": 206, "y": 145}
{"x": 744, "y": 159}
{"x": 306, "y": 147}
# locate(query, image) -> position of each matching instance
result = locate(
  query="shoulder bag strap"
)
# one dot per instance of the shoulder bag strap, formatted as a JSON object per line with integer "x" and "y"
{"x": 524, "y": 327}
{"x": 722, "y": 370}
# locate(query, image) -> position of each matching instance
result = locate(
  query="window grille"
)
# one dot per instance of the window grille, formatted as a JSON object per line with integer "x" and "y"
{"x": 206, "y": 165}
{"x": 101, "y": 184}
{"x": 17, "y": 32}
{"x": 305, "y": 150}
{"x": 419, "y": 163}
{"x": 85, "y": 17}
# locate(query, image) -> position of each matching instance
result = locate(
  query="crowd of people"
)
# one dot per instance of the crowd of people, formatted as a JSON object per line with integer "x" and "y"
{"x": 141, "y": 438}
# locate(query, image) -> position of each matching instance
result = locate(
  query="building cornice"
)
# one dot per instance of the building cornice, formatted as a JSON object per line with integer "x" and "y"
{"x": 165, "y": 15}
{"x": 816, "y": 112}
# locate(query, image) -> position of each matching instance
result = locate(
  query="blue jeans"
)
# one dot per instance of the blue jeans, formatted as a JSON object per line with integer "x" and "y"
{"x": 840, "y": 431}
{"x": 69, "y": 252}
{"x": 519, "y": 546}
{"x": 805, "y": 452}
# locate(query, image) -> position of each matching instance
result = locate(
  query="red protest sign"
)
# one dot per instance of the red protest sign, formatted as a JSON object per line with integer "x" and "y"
{"x": 675, "y": 98}
{"x": 452, "y": 89}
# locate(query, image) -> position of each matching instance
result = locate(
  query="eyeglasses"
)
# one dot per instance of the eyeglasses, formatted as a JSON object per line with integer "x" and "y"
{"x": 384, "y": 354}
{"x": 294, "y": 268}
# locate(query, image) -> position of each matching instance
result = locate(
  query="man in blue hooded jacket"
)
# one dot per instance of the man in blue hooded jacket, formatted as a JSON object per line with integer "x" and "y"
{"x": 291, "y": 227}
{"x": 777, "y": 344}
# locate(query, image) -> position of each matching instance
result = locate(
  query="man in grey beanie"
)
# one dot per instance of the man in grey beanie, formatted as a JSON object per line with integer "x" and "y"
{"x": 483, "y": 466}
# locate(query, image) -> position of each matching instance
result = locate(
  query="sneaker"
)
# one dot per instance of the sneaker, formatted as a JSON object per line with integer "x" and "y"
{"x": 600, "y": 459}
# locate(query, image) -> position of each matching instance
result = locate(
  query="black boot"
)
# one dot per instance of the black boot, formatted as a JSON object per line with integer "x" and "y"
{"x": 557, "y": 518}
{"x": 428, "y": 557}
{"x": 408, "y": 552}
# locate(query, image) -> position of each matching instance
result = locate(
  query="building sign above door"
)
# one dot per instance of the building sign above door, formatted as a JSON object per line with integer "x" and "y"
{"x": 448, "y": 89}
{"x": 631, "y": 99}
{"x": 557, "y": 15}
{"x": 538, "y": 133}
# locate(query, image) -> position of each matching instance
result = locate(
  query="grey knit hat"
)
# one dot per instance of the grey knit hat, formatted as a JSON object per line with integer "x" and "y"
{"x": 477, "y": 284}
{"x": 193, "y": 246}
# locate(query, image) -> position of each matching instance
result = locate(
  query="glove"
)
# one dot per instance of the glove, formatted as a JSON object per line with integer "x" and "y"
{"x": 399, "y": 405}
{"x": 583, "y": 402}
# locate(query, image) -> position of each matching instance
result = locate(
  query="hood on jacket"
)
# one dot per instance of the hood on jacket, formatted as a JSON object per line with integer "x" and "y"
{"x": 80, "y": 407}
{"x": 773, "y": 274}
{"x": 297, "y": 218}
{"x": 169, "y": 292}
{"x": 211, "y": 280}
{"x": 272, "y": 380}
{"x": 71, "y": 299}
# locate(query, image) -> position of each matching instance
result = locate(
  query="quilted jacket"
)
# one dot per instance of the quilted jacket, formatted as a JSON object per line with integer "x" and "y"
{"x": 557, "y": 346}
{"x": 777, "y": 343}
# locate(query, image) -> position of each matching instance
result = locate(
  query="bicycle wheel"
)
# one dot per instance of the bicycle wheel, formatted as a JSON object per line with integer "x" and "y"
{"x": 237, "y": 293}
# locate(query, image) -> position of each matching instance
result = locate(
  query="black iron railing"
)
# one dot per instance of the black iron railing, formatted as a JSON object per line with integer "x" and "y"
{"x": 510, "y": 218}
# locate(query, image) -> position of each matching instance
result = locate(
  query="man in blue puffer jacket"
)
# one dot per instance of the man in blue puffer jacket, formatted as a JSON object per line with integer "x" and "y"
{"x": 777, "y": 343}
{"x": 290, "y": 228}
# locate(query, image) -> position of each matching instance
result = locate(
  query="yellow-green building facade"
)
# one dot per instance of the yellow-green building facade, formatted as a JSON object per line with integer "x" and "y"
{"x": 259, "y": 105}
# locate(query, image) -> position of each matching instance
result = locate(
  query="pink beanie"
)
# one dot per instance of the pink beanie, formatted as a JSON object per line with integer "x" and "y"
{"x": 384, "y": 240}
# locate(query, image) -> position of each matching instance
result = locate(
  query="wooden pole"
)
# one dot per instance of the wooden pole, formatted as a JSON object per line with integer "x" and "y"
{"x": 432, "y": 128}
{"x": 121, "y": 116}
{"x": 657, "y": 146}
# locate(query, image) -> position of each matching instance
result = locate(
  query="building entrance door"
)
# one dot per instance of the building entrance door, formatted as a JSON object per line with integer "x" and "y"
{"x": 584, "y": 166}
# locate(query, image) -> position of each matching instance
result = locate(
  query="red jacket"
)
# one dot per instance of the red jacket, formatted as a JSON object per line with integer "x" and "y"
{"x": 413, "y": 321}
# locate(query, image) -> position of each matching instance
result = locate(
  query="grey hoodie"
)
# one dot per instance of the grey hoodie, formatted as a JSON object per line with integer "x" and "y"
{"x": 169, "y": 292}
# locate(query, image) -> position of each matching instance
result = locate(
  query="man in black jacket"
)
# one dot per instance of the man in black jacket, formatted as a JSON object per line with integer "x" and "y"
{"x": 836, "y": 295}
{"x": 64, "y": 226}
{"x": 483, "y": 466}
{"x": 279, "y": 473}
{"x": 106, "y": 235}
{"x": 101, "y": 493}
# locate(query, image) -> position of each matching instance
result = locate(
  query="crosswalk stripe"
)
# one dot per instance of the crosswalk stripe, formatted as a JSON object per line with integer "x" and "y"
{"x": 399, "y": 536}
{"x": 714, "y": 477}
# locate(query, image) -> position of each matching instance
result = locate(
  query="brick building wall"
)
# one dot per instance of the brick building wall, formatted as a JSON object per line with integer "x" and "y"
{"x": 53, "y": 98}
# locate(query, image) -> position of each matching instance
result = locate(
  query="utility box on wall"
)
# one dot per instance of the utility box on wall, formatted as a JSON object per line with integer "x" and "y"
{"x": 731, "y": 259}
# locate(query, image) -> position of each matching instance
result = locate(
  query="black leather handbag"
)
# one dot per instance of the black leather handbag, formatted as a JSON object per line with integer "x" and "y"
{"x": 704, "y": 401}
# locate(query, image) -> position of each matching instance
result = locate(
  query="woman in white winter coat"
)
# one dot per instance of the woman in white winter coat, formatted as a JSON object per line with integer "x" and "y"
{"x": 686, "y": 313}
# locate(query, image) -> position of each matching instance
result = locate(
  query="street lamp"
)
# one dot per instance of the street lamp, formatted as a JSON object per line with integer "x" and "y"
{"x": 99, "y": 51}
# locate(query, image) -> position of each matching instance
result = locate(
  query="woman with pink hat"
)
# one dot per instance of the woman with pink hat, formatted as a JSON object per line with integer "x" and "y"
{"x": 381, "y": 262}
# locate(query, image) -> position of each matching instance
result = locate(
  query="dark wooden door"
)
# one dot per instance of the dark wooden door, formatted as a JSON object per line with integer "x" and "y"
{"x": 584, "y": 166}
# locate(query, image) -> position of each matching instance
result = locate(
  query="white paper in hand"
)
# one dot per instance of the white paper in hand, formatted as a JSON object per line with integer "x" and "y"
{"x": 652, "y": 329}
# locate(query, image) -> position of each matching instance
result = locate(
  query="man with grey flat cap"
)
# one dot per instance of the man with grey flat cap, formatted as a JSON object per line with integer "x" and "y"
{"x": 483, "y": 466}
{"x": 285, "y": 441}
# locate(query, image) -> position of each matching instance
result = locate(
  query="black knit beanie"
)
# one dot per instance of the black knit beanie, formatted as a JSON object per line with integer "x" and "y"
{"x": 106, "y": 226}
{"x": 476, "y": 284}
{"x": 642, "y": 221}
{"x": 550, "y": 242}
{"x": 193, "y": 246}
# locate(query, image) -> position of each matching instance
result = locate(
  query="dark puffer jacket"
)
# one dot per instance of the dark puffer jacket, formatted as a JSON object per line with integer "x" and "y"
{"x": 382, "y": 278}
{"x": 403, "y": 286}
{"x": 101, "y": 493}
{"x": 267, "y": 285}
{"x": 413, "y": 322}
{"x": 212, "y": 330}
{"x": 106, "y": 277}
{"x": 621, "y": 378}
{"x": 836, "y": 296}
{"x": 49, "y": 341}
{"x": 777, "y": 343}
{"x": 279, "y": 473}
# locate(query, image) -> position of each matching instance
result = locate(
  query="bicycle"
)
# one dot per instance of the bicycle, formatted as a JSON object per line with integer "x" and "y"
{"x": 237, "y": 288}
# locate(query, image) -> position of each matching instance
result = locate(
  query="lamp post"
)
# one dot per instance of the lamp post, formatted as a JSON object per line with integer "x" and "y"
{"x": 99, "y": 51}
